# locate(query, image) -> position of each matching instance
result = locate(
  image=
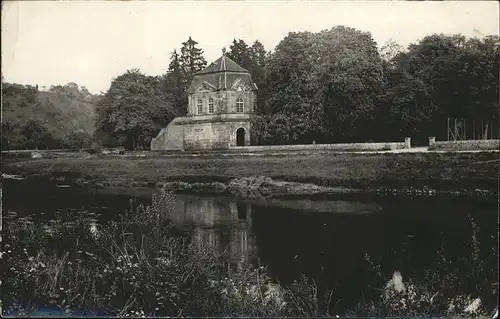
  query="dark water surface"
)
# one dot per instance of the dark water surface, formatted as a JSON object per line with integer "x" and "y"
{"x": 334, "y": 240}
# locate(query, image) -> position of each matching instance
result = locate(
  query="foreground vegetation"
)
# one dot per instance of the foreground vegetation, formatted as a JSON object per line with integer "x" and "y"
{"x": 142, "y": 266}
{"x": 436, "y": 171}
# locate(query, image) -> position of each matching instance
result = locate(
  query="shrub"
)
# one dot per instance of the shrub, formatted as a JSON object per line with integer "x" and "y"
{"x": 133, "y": 267}
{"x": 95, "y": 149}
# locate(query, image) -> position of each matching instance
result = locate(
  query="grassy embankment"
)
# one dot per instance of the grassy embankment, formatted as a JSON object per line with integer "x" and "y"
{"x": 440, "y": 171}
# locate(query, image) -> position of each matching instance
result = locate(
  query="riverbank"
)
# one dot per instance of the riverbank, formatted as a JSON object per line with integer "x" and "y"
{"x": 414, "y": 173}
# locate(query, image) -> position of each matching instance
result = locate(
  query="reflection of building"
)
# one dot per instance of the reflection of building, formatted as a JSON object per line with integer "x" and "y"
{"x": 220, "y": 222}
{"x": 221, "y": 99}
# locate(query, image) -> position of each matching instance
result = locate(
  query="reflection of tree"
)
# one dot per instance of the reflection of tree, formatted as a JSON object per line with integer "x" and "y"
{"x": 222, "y": 223}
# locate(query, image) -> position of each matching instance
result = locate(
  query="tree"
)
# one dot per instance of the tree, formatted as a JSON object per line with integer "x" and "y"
{"x": 191, "y": 59}
{"x": 180, "y": 72}
{"x": 289, "y": 72}
{"x": 133, "y": 110}
{"x": 351, "y": 79}
{"x": 330, "y": 80}
{"x": 259, "y": 57}
{"x": 253, "y": 58}
{"x": 408, "y": 108}
{"x": 176, "y": 84}
{"x": 35, "y": 135}
{"x": 79, "y": 139}
{"x": 456, "y": 77}
{"x": 41, "y": 119}
{"x": 481, "y": 58}
{"x": 240, "y": 53}
{"x": 389, "y": 51}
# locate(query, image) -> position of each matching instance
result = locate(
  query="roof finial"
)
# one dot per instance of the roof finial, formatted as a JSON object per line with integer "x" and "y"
{"x": 224, "y": 51}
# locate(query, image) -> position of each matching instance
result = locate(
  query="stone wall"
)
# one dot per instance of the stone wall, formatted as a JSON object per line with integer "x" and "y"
{"x": 338, "y": 147}
{"x": 170, "y": 137}
{"x": 213, "y": 135}
{"x": 203, "y": 132}
{"x": 466, "y": 145}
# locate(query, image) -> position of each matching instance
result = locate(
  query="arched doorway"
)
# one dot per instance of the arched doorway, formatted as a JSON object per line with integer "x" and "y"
{"x": 240, "y": 137}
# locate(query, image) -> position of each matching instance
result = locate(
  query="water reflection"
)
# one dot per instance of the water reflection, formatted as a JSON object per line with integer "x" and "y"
{"x": 222, "y": 222}
{"x": 226, "y": 223}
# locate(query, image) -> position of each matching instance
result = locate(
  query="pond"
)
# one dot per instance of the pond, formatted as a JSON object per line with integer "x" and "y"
{"x": 352, "y": 244}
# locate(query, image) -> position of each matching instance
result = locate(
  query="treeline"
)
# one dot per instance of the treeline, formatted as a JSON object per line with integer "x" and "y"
{"x": 336, "y": 86}
{"x": 60, "y": 117}
{"x": 331, "y": 86}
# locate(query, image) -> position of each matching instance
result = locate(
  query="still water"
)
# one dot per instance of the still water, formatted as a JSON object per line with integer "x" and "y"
{"x": 335, "y": 240}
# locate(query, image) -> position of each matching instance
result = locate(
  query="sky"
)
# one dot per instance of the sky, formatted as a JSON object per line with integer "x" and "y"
{"x": 91, "y": 42}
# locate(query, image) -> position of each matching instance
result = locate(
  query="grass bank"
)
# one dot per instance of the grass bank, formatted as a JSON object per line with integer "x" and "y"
{"x": 439, "y": 171}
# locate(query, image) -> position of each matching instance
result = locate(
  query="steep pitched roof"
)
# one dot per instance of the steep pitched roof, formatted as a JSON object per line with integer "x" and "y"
{"x": 222, "y": 74}
{"x": 223, "y": 64}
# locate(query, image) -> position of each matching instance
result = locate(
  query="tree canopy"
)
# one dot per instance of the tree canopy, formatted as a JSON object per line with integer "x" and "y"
{"x": 336, "y": 86}
{"x": 180, "y": 72}
{"x": 253, "y": 58}
{"x": 133, "y": 110}
{"x": 442, "y": 77}
{"x": 191, "y": 59}
{"x": 61, "y": 117}
{"x": 329, "y": 81}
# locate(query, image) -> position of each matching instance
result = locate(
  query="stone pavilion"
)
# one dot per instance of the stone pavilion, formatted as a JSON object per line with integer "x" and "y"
{"x": 221, "y": 100}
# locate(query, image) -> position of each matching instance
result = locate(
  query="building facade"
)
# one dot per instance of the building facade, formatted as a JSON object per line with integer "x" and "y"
{"x": 221, "y": 100}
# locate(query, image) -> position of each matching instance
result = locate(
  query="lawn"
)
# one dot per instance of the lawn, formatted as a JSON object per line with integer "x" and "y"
{"x": 450, "y": 171}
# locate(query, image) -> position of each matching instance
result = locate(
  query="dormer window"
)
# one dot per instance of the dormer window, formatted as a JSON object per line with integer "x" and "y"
{"x": 210, "y": 106}
{"x": 239, "y": 105}
{"x": 200, "y": 106}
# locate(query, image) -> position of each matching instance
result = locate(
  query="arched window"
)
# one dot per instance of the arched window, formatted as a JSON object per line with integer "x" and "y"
{"x": 239, "y": 105}
{"x": 200, "y": 106}
{"x": 210, "y": 105}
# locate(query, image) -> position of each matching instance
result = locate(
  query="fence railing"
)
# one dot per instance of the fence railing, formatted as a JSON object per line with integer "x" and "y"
{"x": 471, "y": 129}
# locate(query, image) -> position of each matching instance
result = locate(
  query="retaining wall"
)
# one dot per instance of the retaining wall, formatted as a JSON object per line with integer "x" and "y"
{"x": 465, "y": 145}
{"x": 170, "y": 137}
{"x": 202, "y": 132}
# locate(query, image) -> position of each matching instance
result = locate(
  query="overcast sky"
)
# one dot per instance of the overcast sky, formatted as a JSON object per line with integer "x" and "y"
{"x": 91, "y": 42}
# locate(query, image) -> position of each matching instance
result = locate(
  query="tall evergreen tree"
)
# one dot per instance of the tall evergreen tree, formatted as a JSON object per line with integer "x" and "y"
{"x": 259, "y": 57}
{"x": 175, "y": 66}
{"x": 176, "y": 83}
{"x": 240, "y": 53}
{"x": 253, "y": 58}
{"x": 259, "y": 54}
{"x": 191, "y": 59}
